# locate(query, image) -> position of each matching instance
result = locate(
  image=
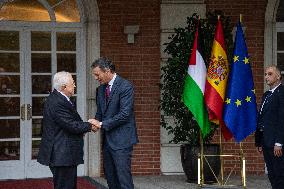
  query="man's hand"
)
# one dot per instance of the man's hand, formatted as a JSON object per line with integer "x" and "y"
{"x": 259, "y": 149}
{"x": 278, "y": 151}
{"x": 95, "y": 124}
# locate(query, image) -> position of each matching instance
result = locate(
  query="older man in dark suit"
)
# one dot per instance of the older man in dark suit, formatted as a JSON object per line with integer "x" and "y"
{"x": 61, "y": 145}
{"x": 115, "y": 117}
{"x": 269, "y": 135}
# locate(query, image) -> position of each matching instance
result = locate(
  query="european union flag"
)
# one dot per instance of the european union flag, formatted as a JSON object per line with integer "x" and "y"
{"x": 240, "y": 113}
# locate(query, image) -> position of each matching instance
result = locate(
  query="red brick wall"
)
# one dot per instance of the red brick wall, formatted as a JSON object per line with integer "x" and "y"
{"x": 140, "y": 63}
{"x": 253, "y": 12}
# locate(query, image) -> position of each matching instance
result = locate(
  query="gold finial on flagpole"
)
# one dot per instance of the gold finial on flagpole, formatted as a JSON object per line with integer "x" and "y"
{"x": 241, "y": 18}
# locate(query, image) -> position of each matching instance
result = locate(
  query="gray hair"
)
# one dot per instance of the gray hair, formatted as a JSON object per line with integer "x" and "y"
{"x": 277, "y": 70}
{"x": 60, "y": 79}
{"x": 104, "y": 64}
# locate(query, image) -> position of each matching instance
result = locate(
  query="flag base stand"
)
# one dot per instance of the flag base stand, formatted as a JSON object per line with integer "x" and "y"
{"x": 221, "y": 181}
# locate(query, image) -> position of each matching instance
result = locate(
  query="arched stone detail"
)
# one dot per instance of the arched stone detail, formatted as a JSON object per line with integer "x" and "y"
{"x": 49, "y": 10}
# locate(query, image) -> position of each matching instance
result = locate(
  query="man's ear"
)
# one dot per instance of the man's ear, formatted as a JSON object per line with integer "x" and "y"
{"x": 63, "y": 87}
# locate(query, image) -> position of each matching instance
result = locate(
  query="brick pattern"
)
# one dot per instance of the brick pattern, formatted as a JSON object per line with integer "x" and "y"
{"x": 253, "y": 13}
{"x": 139, "y": 63}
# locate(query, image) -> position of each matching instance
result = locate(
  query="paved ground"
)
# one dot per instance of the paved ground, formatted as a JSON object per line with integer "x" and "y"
{"x": 179, "y": 182}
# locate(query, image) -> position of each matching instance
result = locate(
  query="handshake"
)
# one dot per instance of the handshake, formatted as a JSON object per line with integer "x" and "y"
{"x": 95, "y": 124}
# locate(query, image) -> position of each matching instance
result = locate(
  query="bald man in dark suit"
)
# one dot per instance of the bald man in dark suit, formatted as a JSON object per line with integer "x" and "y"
{"x": 269, "y": 137}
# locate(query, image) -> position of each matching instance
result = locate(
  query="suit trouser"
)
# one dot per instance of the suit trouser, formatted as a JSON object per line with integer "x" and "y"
{"x": 117, "y": 167}
{"x": 64, "y": 177}
{"x": 275, "y": 168}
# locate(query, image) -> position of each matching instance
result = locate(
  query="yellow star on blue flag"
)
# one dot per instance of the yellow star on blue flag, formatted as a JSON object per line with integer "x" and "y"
{"x": 246, "y": 60}
{"x": 240, "y": 117}
{"x": 236, "y": 58}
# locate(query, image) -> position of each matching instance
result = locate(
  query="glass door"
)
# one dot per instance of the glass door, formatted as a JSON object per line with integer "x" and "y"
{"x": 48, "y": 53}
{"x": 37, "y": 82}
{"x": 28, "y": 59}
{"x": 10, "y": 100}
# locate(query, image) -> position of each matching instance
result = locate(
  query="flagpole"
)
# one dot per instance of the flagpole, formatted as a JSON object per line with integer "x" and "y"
{"x": 221, "y": 148}
{"x": 221, "y": 158}
{"x": 201, "y": 158}
{"x": 242, "y": 157}
{"x": 243, "y": 163}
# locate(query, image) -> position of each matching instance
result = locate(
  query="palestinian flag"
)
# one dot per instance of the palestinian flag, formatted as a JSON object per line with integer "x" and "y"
{"x": 194, "y": 85}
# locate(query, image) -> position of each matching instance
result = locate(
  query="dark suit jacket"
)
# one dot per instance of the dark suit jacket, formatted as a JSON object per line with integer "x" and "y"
{"x": 271, "y": 120}
{"x": 117, "y": 115}
{"x": 62, "y": 133}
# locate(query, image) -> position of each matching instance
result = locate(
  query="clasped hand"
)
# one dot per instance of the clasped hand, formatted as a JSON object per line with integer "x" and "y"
{"x": 277, "y": 150}
{"x": 95, "y": 124}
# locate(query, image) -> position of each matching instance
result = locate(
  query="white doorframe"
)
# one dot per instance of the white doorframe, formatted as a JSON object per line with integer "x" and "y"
{"x": 269, "y": 35}
{"x": 91, "y": 32}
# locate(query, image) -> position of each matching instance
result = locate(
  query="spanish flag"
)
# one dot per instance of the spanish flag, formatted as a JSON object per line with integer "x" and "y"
{"x": 216, "y": 82}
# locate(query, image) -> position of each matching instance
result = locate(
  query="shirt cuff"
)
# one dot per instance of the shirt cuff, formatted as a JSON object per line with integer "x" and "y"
{"x": 278, "y": 144}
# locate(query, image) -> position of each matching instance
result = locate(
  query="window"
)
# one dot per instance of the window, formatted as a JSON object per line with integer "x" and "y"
{"x": 280, "y": 36}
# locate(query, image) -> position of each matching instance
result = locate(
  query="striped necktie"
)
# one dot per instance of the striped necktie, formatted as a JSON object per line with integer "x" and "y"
{"x": 267, "y": 96}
